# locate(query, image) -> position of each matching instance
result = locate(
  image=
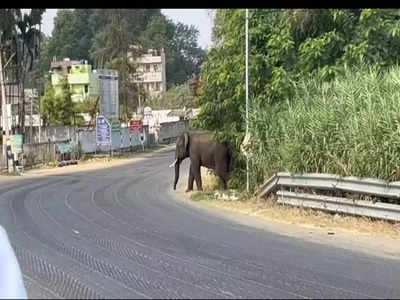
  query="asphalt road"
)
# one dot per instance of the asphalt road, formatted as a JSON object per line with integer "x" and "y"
{"x": 120, "y": 233}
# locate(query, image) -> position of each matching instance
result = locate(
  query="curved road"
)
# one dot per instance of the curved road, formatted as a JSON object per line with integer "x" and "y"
{"x": 119, "y": 233}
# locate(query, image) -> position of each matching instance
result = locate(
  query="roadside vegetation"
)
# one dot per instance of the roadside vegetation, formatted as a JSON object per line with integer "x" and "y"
{"x": 323, "y": 91}
{"x": 324, "y": 97}
{"x": 348, "y": 126}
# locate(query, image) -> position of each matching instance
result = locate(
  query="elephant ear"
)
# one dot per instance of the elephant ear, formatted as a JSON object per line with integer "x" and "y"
{"x": 186, "y": 139}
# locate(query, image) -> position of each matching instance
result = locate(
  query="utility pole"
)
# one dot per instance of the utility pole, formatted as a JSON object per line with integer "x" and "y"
{"x": 31, "y": 98}
{"x": 139, "y": 94}
{"x": 247, "y": 95}
{"x": 40, "y": 118}
{"x": 4, "y": 116}
{"x": 39, "y": 91}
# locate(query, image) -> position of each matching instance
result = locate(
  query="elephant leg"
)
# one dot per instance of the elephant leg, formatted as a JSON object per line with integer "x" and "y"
{"x": 191, "y": 179}
{"x": 223, "y": 176}
{"x": 223, "y": 182}
{"x": 197, "y": 176}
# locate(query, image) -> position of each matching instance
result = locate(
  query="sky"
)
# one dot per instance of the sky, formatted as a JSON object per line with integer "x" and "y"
{"x": 200, "y": 18}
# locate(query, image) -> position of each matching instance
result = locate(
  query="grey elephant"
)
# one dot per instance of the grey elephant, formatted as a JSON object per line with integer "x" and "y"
{"x": 203, "y": 151}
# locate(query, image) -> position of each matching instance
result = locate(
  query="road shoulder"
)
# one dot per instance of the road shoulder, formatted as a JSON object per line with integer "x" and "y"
{"x": 381, "y": 246}
{"x": 91, "y": 164}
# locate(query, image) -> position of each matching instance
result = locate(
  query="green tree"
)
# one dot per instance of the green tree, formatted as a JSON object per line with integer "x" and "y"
{"x": 64, "y": 103}
{"x": 57, "y": 109}
{"x": 64, "y": 42}
{"x": 88, "y": 105}
{"x": 110, "y": 49}
{"x": 20, "y": 39}
{"x": 286, "y": 46}
{"x": 224, "y": 73}
{"x": 72, "y": 35}
{"x": 49, "y": 109}
{"x": 84, "y": 33}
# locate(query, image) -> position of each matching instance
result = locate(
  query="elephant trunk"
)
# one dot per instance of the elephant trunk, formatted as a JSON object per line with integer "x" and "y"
{"x": 177, "y": 165}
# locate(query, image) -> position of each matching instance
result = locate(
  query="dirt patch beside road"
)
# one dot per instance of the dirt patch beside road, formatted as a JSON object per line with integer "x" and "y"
{"x": 355, "y": 233}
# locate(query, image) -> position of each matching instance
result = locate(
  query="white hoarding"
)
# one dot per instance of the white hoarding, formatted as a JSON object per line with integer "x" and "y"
{"x": 109, "y": 97}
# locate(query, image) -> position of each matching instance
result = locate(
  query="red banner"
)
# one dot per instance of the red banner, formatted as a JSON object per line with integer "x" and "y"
{"x": 135, "y": 126}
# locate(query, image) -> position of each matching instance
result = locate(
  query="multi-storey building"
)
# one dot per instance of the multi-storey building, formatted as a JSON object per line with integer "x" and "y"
{"x": 84, "y": 84}
{"x": 151, "y": 72}
{"x": 88, "y": 84}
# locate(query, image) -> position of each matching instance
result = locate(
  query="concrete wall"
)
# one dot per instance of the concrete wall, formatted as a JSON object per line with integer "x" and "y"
{"x": 86, "y": 139}
{"x": 167, "y": 131}
{"x": 119, "y": 140}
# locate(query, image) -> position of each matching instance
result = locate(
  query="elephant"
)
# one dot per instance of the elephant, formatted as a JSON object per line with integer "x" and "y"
{"x": 203, "y": 151}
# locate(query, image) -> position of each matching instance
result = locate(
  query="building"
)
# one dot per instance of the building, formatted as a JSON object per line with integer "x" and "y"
{"x": 88, "y": 84}
{"x": 109, "y": 93}
{"x": 157, "y": 117}
{"x": 151, "y": 72}
{"x": 84, "y": 84}
{"x": 63, "y": 66}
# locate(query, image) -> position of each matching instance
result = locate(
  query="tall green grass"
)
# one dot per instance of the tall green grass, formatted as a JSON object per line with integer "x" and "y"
{"x": 349, "y": 126}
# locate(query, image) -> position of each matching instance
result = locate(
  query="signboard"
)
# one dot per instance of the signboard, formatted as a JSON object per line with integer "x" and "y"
{"x": 16, "y": 143}
{"x": 135, "y": 126}
{"x": 64, "y": 148}
{"x": 116, "y": 126}
{"x": 103, "y": 131}
{"x": 147, "y": 111}
{"x": 32, "y": 120}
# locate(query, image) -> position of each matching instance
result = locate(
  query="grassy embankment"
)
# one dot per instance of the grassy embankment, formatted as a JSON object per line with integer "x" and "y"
{"x": 349, "y": 126}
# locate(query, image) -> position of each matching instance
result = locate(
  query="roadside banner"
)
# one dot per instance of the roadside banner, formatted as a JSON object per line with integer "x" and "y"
{"x": 103, "y": 131}
{"x": 135, "y": 126}
{"x": 16, "y": 143}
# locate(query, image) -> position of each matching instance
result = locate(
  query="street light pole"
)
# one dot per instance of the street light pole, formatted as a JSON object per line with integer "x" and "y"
{"x": 247, "y": 95}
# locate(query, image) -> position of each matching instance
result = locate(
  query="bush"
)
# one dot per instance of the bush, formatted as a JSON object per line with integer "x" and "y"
{"x": 349, "y": 126}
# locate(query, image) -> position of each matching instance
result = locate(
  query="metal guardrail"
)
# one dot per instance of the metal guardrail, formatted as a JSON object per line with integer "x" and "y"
{"x": 342, "y": 205}
{"x": 368, "y": 186}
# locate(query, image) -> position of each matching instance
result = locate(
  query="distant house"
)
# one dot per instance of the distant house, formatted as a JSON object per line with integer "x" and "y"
{"x": 151, "y": 72}
{"x": 63, "y": 66}
{"x": 88, "y": 84}
{"x": 84, "y": 84}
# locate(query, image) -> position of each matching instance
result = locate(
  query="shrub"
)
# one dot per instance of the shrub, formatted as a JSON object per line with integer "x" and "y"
{"x": 349, "y": 126}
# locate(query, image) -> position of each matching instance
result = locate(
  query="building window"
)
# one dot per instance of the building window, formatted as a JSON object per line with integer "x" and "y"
{"x": 86, "y": 88}
{"x": 155, "y": 67}
{"x": 147, "y": 67}
{"x": 158, "y": 86}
